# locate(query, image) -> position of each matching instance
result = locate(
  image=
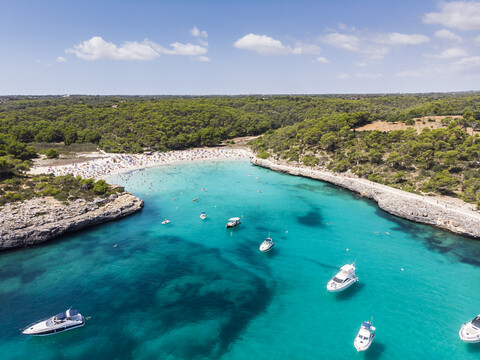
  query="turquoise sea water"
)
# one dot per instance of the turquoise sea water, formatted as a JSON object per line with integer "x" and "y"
{"x": 195, "y": 290}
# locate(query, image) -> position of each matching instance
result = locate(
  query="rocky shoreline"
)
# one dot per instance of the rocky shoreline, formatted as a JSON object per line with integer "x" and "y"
{"x": 40, "y": 219}
{"x": 421, "y": 209}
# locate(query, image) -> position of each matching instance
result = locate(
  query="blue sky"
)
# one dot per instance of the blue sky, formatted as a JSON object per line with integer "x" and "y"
{"x": 238, "y": 47}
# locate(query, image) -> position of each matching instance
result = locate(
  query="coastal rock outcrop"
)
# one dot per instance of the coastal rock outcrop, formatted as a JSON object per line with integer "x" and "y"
{"x": 40, "y": 219}
{"x": 421, "y": 209}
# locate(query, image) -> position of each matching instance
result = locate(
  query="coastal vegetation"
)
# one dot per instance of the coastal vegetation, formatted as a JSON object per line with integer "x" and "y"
{"x": 435, "y": 161}
{"x": 15, "y": 185}
{"x": 133, "y": 124}
{"x": 312, "y": 130}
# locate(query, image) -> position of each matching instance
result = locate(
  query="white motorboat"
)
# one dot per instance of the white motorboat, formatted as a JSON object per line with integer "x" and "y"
{"x": 364, "y": 337}
{"x": 64, "y": 321}
{"x": 470, "y": 331}
{"x": 166, "y": 221}
{"x": 203, "y": 216}
{"x": 232, "y": 222}
{"x": 266, "y": 245}
{"x": 344, "y": 279}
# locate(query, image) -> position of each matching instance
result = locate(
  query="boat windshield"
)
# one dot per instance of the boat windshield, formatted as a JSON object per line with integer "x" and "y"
{"x": 337, "y": 280}
{"x": 49, "y": 322}
{"x": 476, "y": 322}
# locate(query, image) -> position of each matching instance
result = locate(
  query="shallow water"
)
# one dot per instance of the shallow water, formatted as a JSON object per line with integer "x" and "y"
{"x": 194, "y": 290}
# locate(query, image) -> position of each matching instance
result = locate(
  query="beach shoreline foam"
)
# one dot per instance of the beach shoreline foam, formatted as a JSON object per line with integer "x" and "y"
{"x": 457, "y": 217}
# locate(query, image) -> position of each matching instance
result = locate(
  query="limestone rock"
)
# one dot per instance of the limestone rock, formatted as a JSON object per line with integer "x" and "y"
{"x": 41, "y": 219}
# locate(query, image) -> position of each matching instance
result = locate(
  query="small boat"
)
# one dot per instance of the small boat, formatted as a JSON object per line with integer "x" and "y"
{"x": 365, "y": 336}
{"x": 195, "y": 199}
{"x": 203, "y": 216}
{"x": 344, "y": 279}
{"x": 64, "y": 321}
{"x": 266, "y": 245}
{"x": 166, "y": 221}
{"x": 232, "y": 222}
{"x": 470, "y": 331}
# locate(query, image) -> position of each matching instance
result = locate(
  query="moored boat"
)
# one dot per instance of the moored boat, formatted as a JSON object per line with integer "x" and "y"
{"x": 232, "y": 222}
{"x": 344, "y": 279}
{"x": 166, "y": 221}
{"x": 64, "y": 321}
{"x": 266, "y": 245}
{"x": 203, "y": 216}
{"x": 470, "y": 331}
{"x": 365, "y": 336}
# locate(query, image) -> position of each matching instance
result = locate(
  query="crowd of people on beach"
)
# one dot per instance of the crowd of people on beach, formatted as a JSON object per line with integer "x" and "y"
{"x": 113, "y": 164}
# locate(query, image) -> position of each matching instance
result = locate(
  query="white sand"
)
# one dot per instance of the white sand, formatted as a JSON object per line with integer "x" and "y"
{"x": 113, "y": 164}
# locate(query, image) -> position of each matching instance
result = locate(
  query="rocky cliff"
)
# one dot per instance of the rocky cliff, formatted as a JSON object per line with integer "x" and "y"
{"x": 421, "y": 209}
{"x": 41, "y": 219}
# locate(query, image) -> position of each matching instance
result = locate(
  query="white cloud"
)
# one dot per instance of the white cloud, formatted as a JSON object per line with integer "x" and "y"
{"x": 447, "y": 35}
{"x": 463, "y": 15}
{"x": 342, "y": 41}
{"x": 322, "y": 60}
{"x": 203, "y": 58}
{"x": 96, "y": 49}
{"x": 372, "y": 46}
{"x": 397, "y": 39}
{"x": 181, "y": 49}
{"x": 449, "y": 54}
{"x": 368, "y": 76}
{"x": 197, "y": 33}
{"x": 375, "y": 52}
{"x": 467, "y": 63}
{"x": 61, "y": 59}
{"x": 343, "y": 76}
{"x": 266, "y": 45}
{"x": 261, "y": 44}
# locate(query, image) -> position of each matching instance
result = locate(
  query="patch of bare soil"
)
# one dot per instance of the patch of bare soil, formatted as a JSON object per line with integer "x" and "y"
{"x": 431, "y": 122}
{"x": 240, "y": 142}
{"x": 67, "y": 159}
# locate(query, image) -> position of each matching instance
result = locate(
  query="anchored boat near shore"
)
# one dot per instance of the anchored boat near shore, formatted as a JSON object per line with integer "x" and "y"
{"x": 344, "y": 279}
{"x": 365, "y": 336}
{"x": 470, "y": 331}
{"x": 64, "y": 321}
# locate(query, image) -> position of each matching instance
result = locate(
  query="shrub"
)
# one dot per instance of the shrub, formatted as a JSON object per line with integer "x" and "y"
{"x": 52, "y": 154}
{"x": 100, "y": 187}
{"x": 310, "y": 160}
{"x": 410, "y": 122}
{"x": 263, "y": 155}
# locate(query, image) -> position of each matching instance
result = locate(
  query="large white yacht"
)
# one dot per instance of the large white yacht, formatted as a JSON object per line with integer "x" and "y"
{"x": 470, "y": 331}
{"x": 232, "y": 222}
{"x": 364, "y": 337}
{"x": 64, "y": 321}
{"x": 266, "y": 245}
{"x": 344, "y": 279}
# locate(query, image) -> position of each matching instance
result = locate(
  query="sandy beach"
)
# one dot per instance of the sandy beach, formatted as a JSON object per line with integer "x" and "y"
{"x": 445, "y": 212}
{"x": 105, "y": 164}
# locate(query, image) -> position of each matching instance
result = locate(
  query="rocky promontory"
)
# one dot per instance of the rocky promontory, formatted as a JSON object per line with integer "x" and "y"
{"x": 421, "y": 209}
{"x": 40, "y": 219}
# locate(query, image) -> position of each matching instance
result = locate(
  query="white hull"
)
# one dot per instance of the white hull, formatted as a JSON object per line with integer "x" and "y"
{"x": 265, "y": 248}
{"x": 332, "y": 286}
{"x": 41, "y": 328}
{"x": 364, "y": 337}
{"x": 469, "y": 333}
{"x": 363, "y": 347}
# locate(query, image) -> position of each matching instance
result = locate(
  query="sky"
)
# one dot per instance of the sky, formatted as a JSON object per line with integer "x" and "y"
{"x": 231, "y": 47}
